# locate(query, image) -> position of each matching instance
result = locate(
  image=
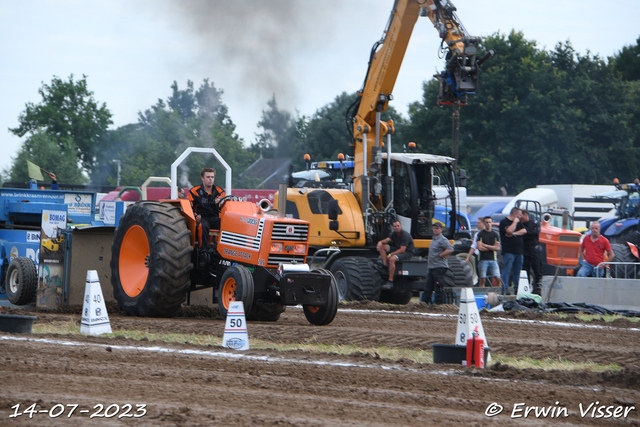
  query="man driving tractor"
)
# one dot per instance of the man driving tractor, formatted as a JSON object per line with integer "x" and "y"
{"x": 204, "y": 199}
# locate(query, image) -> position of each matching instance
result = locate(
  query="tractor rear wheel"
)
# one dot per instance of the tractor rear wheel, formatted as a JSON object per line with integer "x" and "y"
{"x": 236, "y": 285}
{"x": 21, "y": 281}
{"x": 622, "y": 253}
{"x": 151, "y": 260}
{"x": 324, "y": 314}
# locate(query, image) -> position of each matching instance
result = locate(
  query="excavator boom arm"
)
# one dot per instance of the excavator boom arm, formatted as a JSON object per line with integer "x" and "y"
{"x": 387, "y": 54}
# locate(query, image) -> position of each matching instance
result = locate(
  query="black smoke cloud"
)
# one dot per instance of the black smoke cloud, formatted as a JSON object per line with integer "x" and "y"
{"x": 257, "y": 41}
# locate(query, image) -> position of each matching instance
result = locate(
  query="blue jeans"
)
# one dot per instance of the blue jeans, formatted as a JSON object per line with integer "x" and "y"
{"x": 488, "y": 266}
{"x": 512, "y": 264}
{"x": 588, "y": 270}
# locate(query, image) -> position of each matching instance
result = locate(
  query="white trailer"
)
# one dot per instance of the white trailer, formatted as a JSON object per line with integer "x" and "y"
{"x": 578, "y": 199}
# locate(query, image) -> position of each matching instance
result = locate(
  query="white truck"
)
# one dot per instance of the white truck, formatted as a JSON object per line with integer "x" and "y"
{"x": 575, "y": 198}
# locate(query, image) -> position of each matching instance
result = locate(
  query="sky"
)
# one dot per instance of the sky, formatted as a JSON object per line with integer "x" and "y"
{"x": 303, "y": 52}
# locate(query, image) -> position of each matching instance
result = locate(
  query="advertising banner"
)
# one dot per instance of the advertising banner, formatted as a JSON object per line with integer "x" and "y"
{"x": 52, "y": 250}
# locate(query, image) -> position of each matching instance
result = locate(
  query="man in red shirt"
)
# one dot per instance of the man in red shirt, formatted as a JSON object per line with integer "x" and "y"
{"x": 592, "y": 252}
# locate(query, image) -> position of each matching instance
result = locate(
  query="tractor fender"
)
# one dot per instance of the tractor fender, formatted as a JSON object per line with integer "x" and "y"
{"x": 619, "y": 227}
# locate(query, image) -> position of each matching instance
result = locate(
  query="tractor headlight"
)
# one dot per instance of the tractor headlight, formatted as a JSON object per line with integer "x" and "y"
{"x": 299, "y": 248}
{"x": 276, "y": 247}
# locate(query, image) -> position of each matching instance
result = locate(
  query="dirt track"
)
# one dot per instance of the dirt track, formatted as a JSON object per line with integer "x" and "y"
{"x": 187, "y": 385}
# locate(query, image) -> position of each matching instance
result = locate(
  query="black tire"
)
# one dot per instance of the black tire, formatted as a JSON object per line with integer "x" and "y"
{"x": 236, "y": 285}
{"x": 449, "y": 279}
{"x": 397, "y": 297}
{"x": 21, "y": 282}
{"x": 324, "y": 314}
{"x": 629, "y": 235}
{"x": 622, "y": 253}
{"x": 151, "y": 260}
{"x": 357, "y": 279}
{"x": 470, "y": 269}
{"x": 463, "y": 246}
{"x": 462, "y": 273}
{"x": 266, "y": 311}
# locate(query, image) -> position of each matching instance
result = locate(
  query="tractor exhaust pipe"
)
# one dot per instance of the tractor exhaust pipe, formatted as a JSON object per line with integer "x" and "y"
{"x": 265, "y": 205}
{"x": 282, "y": 200}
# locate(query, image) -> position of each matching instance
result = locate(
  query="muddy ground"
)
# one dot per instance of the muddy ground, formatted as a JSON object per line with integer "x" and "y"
{"x": 190, "y": 385}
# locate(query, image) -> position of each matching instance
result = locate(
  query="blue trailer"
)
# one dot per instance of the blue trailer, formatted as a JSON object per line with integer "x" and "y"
{"x": 20, "y": 241}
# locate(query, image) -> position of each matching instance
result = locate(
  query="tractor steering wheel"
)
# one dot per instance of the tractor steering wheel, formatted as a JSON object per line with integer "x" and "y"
{"x": 230, "y": 197}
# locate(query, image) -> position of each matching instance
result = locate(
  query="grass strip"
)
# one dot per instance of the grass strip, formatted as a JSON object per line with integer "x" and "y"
{"x": 71, "y": 327}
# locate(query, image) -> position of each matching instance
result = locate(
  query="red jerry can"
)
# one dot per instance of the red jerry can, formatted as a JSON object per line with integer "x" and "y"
{"x": 475, "y": 350}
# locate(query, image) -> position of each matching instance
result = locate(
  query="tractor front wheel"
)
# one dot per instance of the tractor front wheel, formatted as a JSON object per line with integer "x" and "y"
{"x": 324, "y": 314}
{"x": 236, "y": 285}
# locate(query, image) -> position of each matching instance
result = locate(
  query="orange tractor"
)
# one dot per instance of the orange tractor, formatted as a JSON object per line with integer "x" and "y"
{"x": 256, "y": 258}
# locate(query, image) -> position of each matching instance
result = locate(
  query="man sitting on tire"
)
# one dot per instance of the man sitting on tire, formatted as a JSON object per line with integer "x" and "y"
{"x": 204, "y": 199}
{"x": 396, "y": 247}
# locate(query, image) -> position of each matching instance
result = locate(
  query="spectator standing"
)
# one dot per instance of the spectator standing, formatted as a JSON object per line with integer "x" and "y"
{"x": 511, "y": 232}
{"x": 437, "y": 265}
{"x": 592, "y": 252}
{"x": 473, "y": 251}
{"x": 474, "y": 245}
{"x": 488, "y": 245}
{"x": 396, "y": 247}
{"x": 532, "y": 260}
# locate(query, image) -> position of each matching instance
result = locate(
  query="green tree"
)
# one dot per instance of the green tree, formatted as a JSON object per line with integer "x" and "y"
{"x": 68, "y": 110}
{"x": 538, "y": 118}
{"x": 279, "y": 132}
{"x": 627, "y": 61}
{"x": 46, "y": 152}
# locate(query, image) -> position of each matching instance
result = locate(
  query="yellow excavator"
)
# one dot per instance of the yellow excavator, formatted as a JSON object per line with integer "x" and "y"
{"x": 348, "y": 218}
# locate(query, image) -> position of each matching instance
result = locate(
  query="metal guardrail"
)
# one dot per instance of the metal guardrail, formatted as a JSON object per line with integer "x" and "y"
{"x": 621, "y": 270}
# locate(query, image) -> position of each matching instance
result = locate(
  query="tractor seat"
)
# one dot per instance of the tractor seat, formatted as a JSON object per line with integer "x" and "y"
{"x": 212, "y": 234}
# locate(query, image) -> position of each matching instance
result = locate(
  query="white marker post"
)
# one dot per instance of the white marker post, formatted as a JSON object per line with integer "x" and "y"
{"x": 95, "y": 319}
{"x": 235, "y": 329}
{"x": 524, "y": 287}
{"x": 468, "y": 319}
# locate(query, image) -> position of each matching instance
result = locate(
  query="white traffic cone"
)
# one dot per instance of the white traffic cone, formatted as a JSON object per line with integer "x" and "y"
{"x": 235, "y": 328}
{"x": 469, "y": 320}
{"x": 523, "y": 284}
{"x": 95, "y": 319}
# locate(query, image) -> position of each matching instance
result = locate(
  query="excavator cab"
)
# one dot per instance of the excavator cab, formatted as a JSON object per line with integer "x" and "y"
{"x": 423, "y": 193}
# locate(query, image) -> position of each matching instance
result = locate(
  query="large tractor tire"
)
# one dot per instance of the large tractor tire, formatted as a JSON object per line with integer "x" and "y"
{"x": 324, "y": 314}
{"x": 630, "y": 235}
{"x": 151, "y": 260}
{"x": 469, "y": 267}
{"x": 462, "y": 273}
{"x": 266, "y": 311}
{"x": 622, "y": 253}
{"x": 236, "y": 285}
{"x": 21, "y": 281}
{"x": 357, "y": 279}
{"x": 397, "y": 297}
